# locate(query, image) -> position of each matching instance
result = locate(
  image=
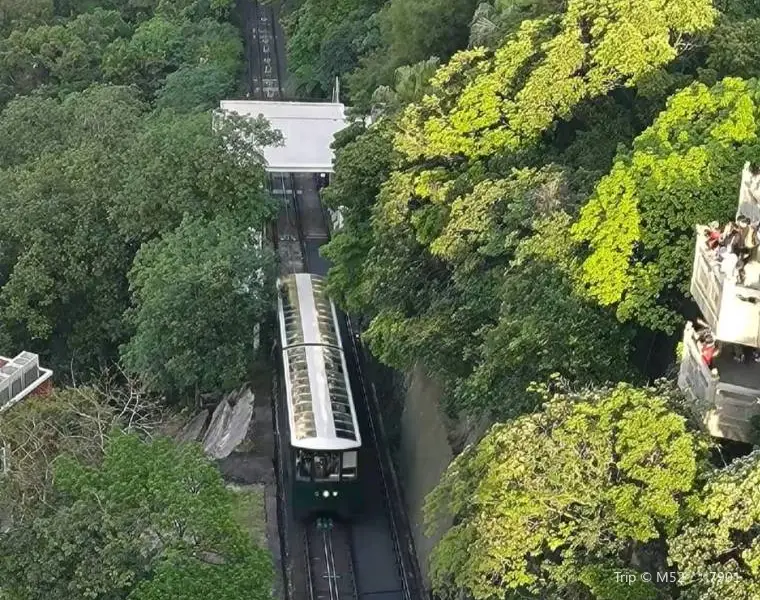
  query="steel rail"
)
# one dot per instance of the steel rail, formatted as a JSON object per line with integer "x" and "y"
{"x": 299, "y": 223}
{"x": 275, "y": 52}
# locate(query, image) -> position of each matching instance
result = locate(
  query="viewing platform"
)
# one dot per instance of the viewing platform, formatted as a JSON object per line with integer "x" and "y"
{"x": 730, "y": 308}
{"x": 727, "y": 396}
{"x": 725, "y": 285}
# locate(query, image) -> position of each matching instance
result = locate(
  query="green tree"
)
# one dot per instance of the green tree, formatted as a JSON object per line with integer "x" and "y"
{"x": 58, "y": 58}
{"x": 501, "y": 140}
{"x": 411, "y": 83}
{"x": 324, "y": 39}
{"x": 683, "y": 170}
{"x": 419, "y": 29}
{"x": 197, "y": 87}
{"x": 495, "y": 20}
{"x": 717, "y": 553}
{"x": 146, "y": 58}
{"x": 553, "y": 503}
{"x": 66, "y": 263}
{"x": 197, "y": 172}
{"x": 22, "y": 14}
{"x": 732, "y": 49}
{"x": 162, "y": 45}
{"x": 405, "y": 33}
{"x": 153, "y": 519}
{"x": 543, "y": 326}
{"x": 208, "y": 284}
{"x": 72, "y": 421}
{"x": 363, "y": 161}
{"x": 542, "y": 73}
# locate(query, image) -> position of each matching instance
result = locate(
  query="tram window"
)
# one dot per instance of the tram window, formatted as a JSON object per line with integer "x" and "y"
{"x": 303, "y": 466}
{"x": 349, "y": 465}
{"x": 327, "y": 467}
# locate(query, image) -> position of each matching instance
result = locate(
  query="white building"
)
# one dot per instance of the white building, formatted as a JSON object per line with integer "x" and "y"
{"x": 20, "y": 377}
{"x": 308, "y": 129}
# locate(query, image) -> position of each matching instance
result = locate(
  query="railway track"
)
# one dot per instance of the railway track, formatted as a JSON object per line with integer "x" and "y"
{"x": 329, "y": 561}
{"x": 327, "y": 566}
{"x": 328, "y": 558}
{"x": 264, "y": 71}
{"x": 289, "y": 237}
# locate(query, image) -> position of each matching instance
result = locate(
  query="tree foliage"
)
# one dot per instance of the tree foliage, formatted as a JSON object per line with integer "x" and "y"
{"x": 542, "y": 73}
{"x": 529, "y": 210}
{"x": 64, "y": 261}
{"x": 162, "y": 45}
{"x": 65, "y": 57}
{"x": 82, "y": 178}
{"x": 717, "y": 552}
{"x": 74, "y": 421}
{"x": 197, "y": 87}
{"x": 195, "y": 171}
{"x": 683, "y": 170}
{"x": 418, "y": 29}
{"x": 154, "y": 519}
{"x": 495, "y": 20}
{"x": 550, "y": 501}
{"x": 208, "y": 284}
{"x": 367, "y": 40}
{"x": 324, "y": 40}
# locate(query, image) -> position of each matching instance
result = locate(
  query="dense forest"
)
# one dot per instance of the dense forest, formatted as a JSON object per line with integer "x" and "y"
{"x": 519, "y": 221}
{"x": 123, "y": 213}
{"x": 129, "y": 261}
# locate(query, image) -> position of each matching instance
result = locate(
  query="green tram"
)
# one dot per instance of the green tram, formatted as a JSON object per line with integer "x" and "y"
{"x": 324, "y": 432}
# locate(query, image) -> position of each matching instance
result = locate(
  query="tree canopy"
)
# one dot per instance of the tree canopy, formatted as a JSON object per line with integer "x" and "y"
{"x": 212, "y": 275}
{"x": 639, "y": 222}
{"x": 153, "y": 519}
{"x": 525, "y": 207}
{"x": 131, "y": 221}
{"x": 549, "y": 502}
{"x": 81, "y": 187}
{"x": 91, "y": 170}
{"x": 717, "y": 552}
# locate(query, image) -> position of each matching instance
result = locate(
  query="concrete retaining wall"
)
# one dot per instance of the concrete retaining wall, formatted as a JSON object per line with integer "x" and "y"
{"x": 424, "y": 454}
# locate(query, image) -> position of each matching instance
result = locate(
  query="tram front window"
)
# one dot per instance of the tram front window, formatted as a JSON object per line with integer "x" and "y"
{"x": 327, "y": 467}
{"x": 349, "y": 465}
{"x": 303, "y": 466}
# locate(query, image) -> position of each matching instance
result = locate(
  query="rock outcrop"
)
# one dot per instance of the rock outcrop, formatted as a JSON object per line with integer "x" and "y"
{"x": 229, "y": 424}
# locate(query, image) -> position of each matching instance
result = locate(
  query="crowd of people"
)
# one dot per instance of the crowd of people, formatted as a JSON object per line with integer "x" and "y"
{"x": 734, "y": 245}
{"x": 710, "y": 348}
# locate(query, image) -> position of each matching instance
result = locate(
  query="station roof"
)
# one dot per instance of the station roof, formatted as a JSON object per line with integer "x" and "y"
{"x": 308, "y": 129}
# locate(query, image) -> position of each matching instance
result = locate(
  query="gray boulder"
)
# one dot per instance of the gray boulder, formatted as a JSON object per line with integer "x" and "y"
{"x": 229, "y": 424}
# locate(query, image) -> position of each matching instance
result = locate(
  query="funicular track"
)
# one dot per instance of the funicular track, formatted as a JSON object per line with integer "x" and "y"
{"x": 325, "y": 559}
{"x": 324, "y": 562}
{"x": 264, "y": 61}
{"x": 329, "y": 561}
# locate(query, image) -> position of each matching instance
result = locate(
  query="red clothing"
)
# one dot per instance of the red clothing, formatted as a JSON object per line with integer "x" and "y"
{"x": 708, "y": 352}
{"x": 713, "y": 238}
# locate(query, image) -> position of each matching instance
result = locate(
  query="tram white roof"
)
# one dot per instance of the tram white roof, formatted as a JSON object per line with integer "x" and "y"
{"x": 321, "y": 407}
{"x": 308, "y": 128}
{"x": 309, "y": 314}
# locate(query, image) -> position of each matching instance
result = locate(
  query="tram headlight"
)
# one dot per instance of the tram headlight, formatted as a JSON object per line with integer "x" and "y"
{"x": 325, "y": 494}
{"x": 335, "y": 493}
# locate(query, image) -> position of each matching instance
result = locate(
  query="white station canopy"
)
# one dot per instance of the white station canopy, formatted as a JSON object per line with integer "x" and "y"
{"x": 308, "y": 128}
